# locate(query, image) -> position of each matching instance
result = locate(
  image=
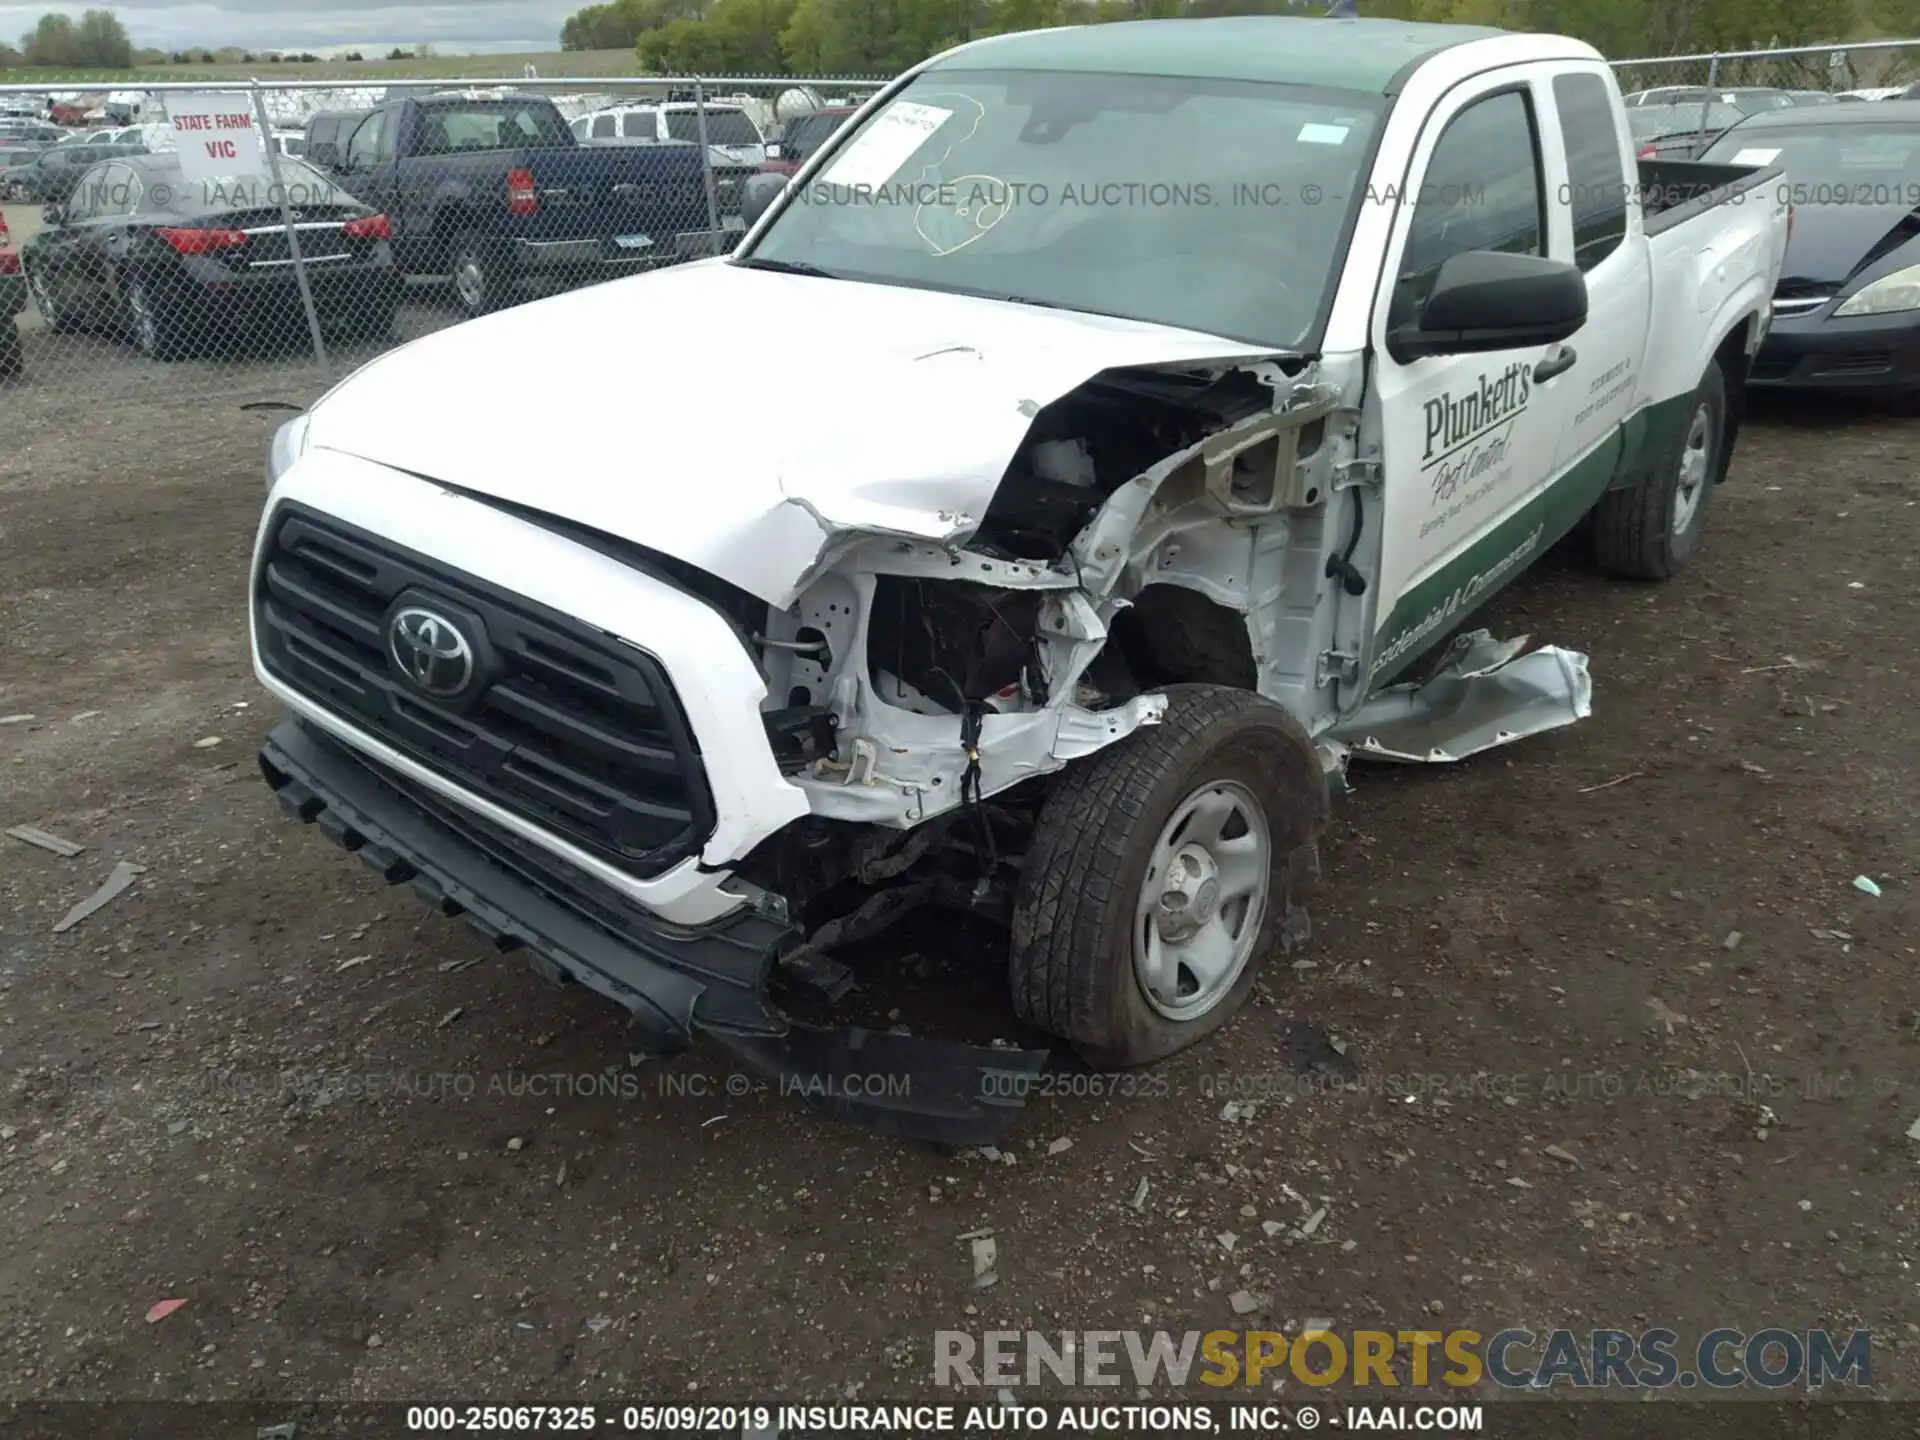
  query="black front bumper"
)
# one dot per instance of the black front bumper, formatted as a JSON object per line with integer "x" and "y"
{"x": 1867, "y": 354}
{"x": 675, "y": 983}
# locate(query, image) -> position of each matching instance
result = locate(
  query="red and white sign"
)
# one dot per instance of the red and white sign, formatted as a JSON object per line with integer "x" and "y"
{"x": 216, "y": 136}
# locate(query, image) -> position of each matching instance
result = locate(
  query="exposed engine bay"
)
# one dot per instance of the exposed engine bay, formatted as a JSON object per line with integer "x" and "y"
{"x": 1157, "y": 526}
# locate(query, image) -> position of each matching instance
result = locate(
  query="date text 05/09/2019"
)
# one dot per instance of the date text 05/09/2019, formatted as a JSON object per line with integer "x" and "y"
{"x": 922, "y": 1420}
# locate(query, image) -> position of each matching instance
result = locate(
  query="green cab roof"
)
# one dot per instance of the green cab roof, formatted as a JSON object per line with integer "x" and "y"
{"x": 1366, "y": 55}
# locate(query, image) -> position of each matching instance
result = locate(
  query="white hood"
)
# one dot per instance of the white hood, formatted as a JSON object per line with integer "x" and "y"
{"x": 731, "y": 417}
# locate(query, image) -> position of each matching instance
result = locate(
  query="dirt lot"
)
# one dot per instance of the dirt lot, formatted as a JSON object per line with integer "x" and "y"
{"x": 375, "y": 1161}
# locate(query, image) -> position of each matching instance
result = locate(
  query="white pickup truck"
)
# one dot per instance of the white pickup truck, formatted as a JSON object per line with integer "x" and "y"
{"x": 1189, "y": 380}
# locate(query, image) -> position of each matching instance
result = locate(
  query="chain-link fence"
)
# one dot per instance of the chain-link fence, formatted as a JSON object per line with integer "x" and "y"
{"x": 187, "y": 244}
{"x": 241, "y": 236}
{"x": 1876, "y": 70}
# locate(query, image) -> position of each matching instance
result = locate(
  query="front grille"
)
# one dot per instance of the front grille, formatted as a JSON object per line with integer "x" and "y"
{"x": 1866, "y": 362}
{"x": 573, "y": 731}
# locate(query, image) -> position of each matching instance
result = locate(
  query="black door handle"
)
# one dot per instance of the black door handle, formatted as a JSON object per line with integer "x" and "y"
{"x": 1558, "y": 361}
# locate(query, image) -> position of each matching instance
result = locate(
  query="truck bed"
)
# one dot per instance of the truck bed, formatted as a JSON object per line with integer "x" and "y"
{"x": 1672, "y": 192}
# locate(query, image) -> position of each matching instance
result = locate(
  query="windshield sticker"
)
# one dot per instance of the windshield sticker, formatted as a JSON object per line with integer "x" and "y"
{"x": 1313, "y": 133}
{"x": 1756, "y": 157}
{"x": 877, "y": 154}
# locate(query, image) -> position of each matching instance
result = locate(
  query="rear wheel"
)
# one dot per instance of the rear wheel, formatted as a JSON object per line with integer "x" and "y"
{"x": 481, "y": 276}
{"x": 159, "y": 332}
{"x": 1163, "y": 870}
{"x": 51, "y": 310}
{"x": 1651, "y": 531}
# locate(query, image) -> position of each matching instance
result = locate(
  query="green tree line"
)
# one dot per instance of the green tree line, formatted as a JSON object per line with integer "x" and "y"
{"x": 867, "y": 37}
{"x": 96, "y": 41}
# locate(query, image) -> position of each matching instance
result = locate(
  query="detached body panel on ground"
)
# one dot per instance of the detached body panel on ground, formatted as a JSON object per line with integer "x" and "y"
{"x": 1058, "y": 595}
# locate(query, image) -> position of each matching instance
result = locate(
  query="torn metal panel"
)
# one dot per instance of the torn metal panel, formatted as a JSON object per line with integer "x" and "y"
{"x": 1485, "y": 694}
{"x": 911, "y": 769}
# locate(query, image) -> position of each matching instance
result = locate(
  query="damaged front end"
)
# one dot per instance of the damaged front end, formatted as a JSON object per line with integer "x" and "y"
{"x": 1148, "y": 532}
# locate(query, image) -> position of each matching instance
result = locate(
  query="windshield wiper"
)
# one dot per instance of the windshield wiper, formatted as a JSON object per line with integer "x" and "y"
{"x": 786, "y": 267}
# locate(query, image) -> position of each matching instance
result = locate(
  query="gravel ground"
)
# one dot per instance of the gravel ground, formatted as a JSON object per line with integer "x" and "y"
{"x": 376, "y": 1161}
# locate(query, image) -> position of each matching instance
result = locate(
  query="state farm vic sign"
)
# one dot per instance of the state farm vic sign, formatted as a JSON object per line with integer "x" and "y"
{"x": 216, "y": 136}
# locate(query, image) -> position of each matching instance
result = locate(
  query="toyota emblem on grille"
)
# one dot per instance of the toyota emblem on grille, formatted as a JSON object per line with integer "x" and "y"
{"x": 431, "y": 651}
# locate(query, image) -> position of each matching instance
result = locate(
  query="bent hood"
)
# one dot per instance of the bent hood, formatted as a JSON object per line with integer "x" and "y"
{"x": 737, "y": 419}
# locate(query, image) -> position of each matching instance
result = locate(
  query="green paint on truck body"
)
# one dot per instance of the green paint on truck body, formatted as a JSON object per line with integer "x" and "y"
{"x": 1433, "y": 609}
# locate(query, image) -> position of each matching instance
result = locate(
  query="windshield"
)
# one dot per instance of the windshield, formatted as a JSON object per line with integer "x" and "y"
{"x": 724, "y": 127}
{"x": 1652, "y": 121}
{"x": 1218, "y": 206}
{"x": 499, "y": 125}
{"x": 1831, "y": 164}
{"x": 1760, "y": 99}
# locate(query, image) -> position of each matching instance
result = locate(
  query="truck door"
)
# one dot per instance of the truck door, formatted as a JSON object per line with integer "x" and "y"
{"x": 1583, "y": 124}
{"x": 1468, "y": 441}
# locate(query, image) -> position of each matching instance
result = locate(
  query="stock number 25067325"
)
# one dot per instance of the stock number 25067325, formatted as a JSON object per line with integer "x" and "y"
{"x": 1123, "y": 1086}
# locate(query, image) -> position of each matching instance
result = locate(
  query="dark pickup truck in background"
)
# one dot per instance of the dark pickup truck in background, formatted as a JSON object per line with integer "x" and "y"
{"x": 496, "y": 191}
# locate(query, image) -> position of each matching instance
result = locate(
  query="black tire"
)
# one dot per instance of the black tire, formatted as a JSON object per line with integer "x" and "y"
{"x": 1638, "y": 533}
{"x": 1072, "y": 967}
{"x": 13, "y": 360}
{"x": 154, "y": 324}
{"x": 482, "y": 275}
{"x": 56, "y": 316}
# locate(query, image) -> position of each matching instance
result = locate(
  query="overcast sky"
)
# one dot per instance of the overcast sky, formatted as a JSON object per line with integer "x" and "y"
{"x": 476, "y": 26}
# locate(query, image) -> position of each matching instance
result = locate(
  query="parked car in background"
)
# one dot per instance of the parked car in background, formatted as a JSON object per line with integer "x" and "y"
{"x": 289, "y": 142}
{"x": 498, "y": 191}
{"x": 1811, "y": 97}
{"x": 731, "y": 134}
{"x": 1755, "y": 98}
{"x": 16, "y": 150}
{"x": 35, "y": 131}
{"x": 1876, "y": 92}
{"x": 1846, "y": 314}
{"x": 1912, "y": 92}
{"x": 1679, "y": 132}
{"x": 802, "y": 136}
{"x": 51, "y": 177}
{"x": 13, "y": 299}
{"x": 113, "y": 135}
{"x": 140, "y": 250}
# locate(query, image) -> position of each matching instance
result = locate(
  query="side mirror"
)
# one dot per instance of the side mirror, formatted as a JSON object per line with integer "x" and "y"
{"x": 50, "y": 213}
{"x": 1489, "y": 300}
{"x": 758, "y": 194}
{"x": 773, "y": 149}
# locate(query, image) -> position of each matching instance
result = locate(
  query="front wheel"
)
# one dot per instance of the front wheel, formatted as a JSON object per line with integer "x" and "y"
{"x": 1650, "y": 532}
{"x": 1162, "y": 871}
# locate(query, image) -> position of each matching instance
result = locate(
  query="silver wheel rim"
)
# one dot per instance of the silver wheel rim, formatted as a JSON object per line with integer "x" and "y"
{"x": 470, "y": 281}
{"x": 144, "y": 327}
{"x": 1696, "y": 457}
{"x": 42, "y": 297}
{"x": 1203, "y": 900}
